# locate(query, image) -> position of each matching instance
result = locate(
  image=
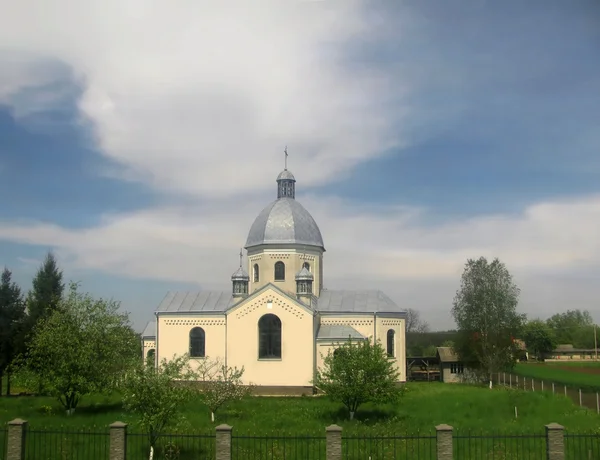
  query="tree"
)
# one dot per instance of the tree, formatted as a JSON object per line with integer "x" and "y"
{"x": 539, "y": 338}
{"x": 220, "y": 384}
{"x": 46, "y": 292}
{"x": 573, "y": 327}
{"x": 84, "y": 346}
{"x": 156, "y": 395}
{"x": 414, "y": 322}
{"x": 356, "y": 373}
{"x": 12, "y": 317}
{"x": 485, "y": 311}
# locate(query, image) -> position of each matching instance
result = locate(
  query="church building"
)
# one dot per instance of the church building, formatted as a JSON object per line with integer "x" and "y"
{"x": 277, "y": 320}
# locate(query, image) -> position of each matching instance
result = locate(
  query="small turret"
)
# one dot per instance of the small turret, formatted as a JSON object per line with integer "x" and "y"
{"x": 304, "y": 285}
{"x": 240, "y": 280}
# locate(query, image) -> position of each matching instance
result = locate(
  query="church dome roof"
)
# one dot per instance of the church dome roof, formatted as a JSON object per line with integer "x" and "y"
{"x": 304, "y": 274}
{"x": 284, "y": 221}
{"x": 286, "y": 175}
{"x": 240, "y": 274}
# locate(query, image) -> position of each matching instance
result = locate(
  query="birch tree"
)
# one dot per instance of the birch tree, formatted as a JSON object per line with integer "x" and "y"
{"x": 485, "y": 311}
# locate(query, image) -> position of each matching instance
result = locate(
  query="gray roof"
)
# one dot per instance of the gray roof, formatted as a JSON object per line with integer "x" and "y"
{"x": 203, "y": 301}
{"x": 240, "y": 274}
{"x": 356, "y": 302}
{"x": 284, "y": 221}
{"x": 338, "y": 331}
{"x": 304, "y": 274}
{"x": 447, "y": 355}
{"x": 149, "y": 330}
{"x": 286, "y": 175}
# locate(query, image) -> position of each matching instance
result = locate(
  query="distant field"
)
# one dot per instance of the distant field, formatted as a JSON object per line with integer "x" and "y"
{"x": 584, "y": 375}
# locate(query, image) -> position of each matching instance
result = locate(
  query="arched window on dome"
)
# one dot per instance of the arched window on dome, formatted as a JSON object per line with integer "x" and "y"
{"x": 255, "y": 273}
{"x": 391, "y": 345}
{"x": 197, "y": 343}
{"x": 269, "y": 337}
{"x": 279, "y": 271}
{"x": 306, "y": 265}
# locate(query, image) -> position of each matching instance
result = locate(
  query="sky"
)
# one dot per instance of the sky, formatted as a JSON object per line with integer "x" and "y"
{"x": 139, "y": 140}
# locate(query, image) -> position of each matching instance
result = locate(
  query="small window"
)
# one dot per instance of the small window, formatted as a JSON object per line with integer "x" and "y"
{"x": 456, "y": 368}
{"x": 256, "y": 273}
{"x": 150, "y": 356}
{"x": 197, "y": 343}
{"x": 306, "y": 265}
{"x": 279, "y": 271}
{"x": 269, "y": 337}
{"x": 391, "y": 343}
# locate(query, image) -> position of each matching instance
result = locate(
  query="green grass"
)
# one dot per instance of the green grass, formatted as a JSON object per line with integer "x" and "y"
{"x": 468, "y": 409}
{"x": 551, "y": 373}
{"x": 574, "y": 363}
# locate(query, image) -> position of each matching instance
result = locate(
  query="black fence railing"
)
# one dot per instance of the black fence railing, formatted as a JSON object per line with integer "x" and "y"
{"x": 500, "y": 446}
{"x": 66, "y": 445}
{"x": 278, "y": 447}
{"x": 582, "y": 446}
{"x": 171, "y": 446}
{"x": 389, "y": 447}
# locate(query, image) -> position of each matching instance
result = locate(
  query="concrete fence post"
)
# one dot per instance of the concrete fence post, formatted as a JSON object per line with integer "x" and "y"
{"x": 15, "y": 443}
{"x": 445, "y": 448}
{"x": 223, "y": 444}
{"x": 555, "y": 442}
{"x": 118, "y": 441}
{"x": 333, "y": 441}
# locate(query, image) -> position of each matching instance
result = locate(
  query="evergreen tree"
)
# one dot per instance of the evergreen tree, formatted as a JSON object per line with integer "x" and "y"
{"x": 12, "y": 316}
{"x": 46, "y": 292}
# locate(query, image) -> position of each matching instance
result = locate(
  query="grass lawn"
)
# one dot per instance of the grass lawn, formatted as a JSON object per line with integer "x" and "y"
{"x": 424, "y": 406}
{"x": 475, "y": 410}
{"x": 580, "y": 375}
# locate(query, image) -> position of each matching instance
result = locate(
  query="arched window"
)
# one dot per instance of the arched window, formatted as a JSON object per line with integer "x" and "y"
{"x": 150, "y": 356}
{"x": 256, "y": 273}
{"x": 197, "y": 343}
{"x": 279, "y": 271}
{"x": 269, "y": 337}
{"x": 390, "y": 343}
{"x": 306, "y": 265}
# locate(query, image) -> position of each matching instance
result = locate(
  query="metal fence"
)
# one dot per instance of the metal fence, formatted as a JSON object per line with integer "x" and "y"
{"x": 66, "y": 445}
{"x": 276, "y": 447}
{"x": 171, "y": 446}
{"x": 86, "y": 445}
{"x": 389, "y": 447}
{"x": 500, "y": 446}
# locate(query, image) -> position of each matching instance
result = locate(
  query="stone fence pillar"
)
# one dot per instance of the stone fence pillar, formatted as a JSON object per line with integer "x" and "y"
{"x": 223, "y": 444}
{"x": 15, "y": 443}
{"x": 118, "y": 441}
{"x": 333, "y": 435}
{"x": 555, "y": 442}
{"x": 445, "y": 448}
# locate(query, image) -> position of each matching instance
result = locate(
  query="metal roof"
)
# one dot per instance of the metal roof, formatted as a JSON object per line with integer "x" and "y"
{"x": 447, "y": 355}
{"x": 284, "y": 221}
{"x": 149, "y": 330}
{"x": 240, "y": 274}
{"x": 338, "y": 331}
{"x": 304, "y": 274}
{"x": 356, "y": 302}
{"x": 197, "y": 301}
{"x": 286, "y": 175}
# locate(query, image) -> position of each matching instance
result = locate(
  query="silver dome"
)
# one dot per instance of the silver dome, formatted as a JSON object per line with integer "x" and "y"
{"x": 286, "y": 175}
{"x": 240, "y": 275}
{"x": 284, "y": 221}
{"x": 304, "y": 274}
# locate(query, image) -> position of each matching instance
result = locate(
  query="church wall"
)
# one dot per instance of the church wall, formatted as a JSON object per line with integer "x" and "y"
{"x": 147, "y": 345}
{"x": 295, "y": 368}
{"x": 362, "y": 323}
{"x": 399, "y": 326}
{"x": 293, "y": 258}
{"x": 174, "y": 333}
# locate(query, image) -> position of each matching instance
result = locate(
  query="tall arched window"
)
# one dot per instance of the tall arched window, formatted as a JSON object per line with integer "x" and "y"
{"x": 197, "y": 343}
{"x": 269, "y": 337}
{"x": 150, "y": 356}
{"x": 279, "y": 271}
{"x": 391, "y": 338}
{"x": 256, "y": 273}
{"x": 306, "y": 265}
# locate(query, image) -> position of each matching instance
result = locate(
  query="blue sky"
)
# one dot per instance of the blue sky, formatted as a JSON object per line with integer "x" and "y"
{"x": 413, "y": 129}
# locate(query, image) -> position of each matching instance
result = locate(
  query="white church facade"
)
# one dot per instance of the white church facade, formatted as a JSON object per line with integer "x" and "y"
{"x": 277, "y": 321}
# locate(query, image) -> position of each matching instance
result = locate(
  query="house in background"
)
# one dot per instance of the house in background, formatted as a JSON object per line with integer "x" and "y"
{"x": 279, "y": 321}
{"x": 451, "y": 368}
{"x": 568, "y": 352}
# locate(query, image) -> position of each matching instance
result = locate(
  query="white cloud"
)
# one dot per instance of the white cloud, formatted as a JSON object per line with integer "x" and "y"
{"x": 393, "y": 249}
{"x": 197, "y": 97}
